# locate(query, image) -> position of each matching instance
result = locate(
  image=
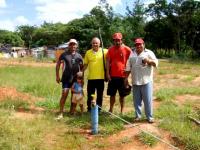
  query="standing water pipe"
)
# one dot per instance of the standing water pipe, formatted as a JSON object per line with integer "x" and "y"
{"x": 94, "y": 116}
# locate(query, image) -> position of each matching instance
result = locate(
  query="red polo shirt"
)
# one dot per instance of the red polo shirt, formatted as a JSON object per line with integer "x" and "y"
{"x": 118, "y": 57}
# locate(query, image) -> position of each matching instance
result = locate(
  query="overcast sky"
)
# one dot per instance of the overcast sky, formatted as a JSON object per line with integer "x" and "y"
{"x": 35, "y": 12}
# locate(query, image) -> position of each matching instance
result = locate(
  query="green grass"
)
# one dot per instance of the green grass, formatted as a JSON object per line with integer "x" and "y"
{"x": 14, "y": 104}
{"x": 166, "y": 94}
{"x": 179, "y": 67}
{"x": 17, "y": 134}
{"x": 125, "y": 140}
{"x": 175, "y": 119}
{"x": 39, "y": 81}
{"x": 147, "y": 139}
{"x": 189, "y": 78}
{"x": 38, "y": 133}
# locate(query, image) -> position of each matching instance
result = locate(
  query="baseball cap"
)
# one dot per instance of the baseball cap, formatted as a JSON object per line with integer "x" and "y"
{"x": 72, "y": 41}
{"x": 117, "y": 36}
{"x": 139, "y": 41}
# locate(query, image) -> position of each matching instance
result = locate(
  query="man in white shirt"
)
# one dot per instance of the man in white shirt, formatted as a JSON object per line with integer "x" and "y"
{"x": 140, "y": 64}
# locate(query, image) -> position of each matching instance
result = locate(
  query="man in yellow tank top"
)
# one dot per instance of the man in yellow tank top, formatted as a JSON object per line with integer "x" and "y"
{"x": 93, "y": 60}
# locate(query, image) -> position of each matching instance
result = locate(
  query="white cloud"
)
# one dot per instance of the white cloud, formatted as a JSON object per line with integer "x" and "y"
{"x": 52, "y": 11}
{"x": 147, "y": 2}
{"x": 2, "y": 4}
{"x": 114, "y": 2}
{"x": 11, "y": 25}
{"x": 21, "y": 20}
{"x": 7, "y": 25}
{"x": 66, "y": 10}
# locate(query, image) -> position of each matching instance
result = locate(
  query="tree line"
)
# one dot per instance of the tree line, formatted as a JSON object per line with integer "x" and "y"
{"x": 168, "y": 28}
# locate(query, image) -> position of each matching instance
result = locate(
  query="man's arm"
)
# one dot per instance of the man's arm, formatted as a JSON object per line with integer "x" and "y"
{"x": 84, "y": 68}
{"x": 108, "y": 68}
{"x": 150, "y": 62}
{"x": 127, "y": 71}
{"x": 57, "y": 71}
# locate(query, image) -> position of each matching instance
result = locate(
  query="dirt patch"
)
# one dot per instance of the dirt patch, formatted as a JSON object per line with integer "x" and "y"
{"x": 188, "y": 99}
{"x": 10, "y": 92}
{"x": 23, "y": 115}
{"x": 196, "y": 81}
{"x": 128, "y": 138}
{"x": 20, "y": 62}
{"x": 169, "y": 81}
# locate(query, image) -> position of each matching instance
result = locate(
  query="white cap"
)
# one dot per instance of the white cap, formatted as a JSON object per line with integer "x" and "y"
{"x": 72, "y": 41}
{"x": 79, "y": 74}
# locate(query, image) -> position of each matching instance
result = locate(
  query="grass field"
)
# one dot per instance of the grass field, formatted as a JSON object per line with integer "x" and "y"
{"x": 29, "y": 100}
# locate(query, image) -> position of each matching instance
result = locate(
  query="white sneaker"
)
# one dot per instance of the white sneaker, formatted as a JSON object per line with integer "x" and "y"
{"x": 59, "y": 117}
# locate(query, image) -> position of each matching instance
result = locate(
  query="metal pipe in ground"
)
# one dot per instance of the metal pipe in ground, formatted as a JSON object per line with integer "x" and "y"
{"x": 94, "y": 118}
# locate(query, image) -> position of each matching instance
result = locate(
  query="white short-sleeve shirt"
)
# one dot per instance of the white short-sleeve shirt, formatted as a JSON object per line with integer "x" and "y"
{"x": 141, "y": 74}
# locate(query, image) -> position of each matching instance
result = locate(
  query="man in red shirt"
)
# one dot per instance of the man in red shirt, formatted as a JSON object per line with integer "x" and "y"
{"x": 116, "y": 59}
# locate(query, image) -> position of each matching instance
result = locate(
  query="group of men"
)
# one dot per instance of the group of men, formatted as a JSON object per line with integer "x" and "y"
{"x": 115, "y": 64}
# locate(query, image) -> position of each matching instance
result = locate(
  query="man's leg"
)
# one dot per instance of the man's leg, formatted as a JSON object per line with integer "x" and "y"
{"x": 147, "y": 94}
{"x": 112, "y": 90}
{"x": 70, "y": 110}
{"x": 62, "y": 103}
{"x": 137, "y": 100}
{"x": 63, "y": 99}
{"x": 112, "y": 102}
{"x": 121, "y": 100}
{"x": 100, "y": 88}
{"x": 90, "y": 91}
{"x": 121, "y": 87}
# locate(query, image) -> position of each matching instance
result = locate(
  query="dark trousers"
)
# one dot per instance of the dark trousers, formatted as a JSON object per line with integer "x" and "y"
{"x": 92, "y": 86}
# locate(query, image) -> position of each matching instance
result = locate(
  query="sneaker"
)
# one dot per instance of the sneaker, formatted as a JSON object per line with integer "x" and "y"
{"x": 59, "y": 117}
{"x": 151, "y": 120}
{"x": 136, "y": 119}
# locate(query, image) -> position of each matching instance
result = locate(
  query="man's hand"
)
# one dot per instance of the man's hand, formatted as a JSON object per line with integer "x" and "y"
{"x": 58, "y": 79}
{"x": 126, "y": 82}
{"x": 108, "y": 77}
{"x": 145, "y": 61}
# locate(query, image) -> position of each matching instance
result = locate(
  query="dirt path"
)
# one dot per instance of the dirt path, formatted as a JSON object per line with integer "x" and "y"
{"x": 128, "y": 139}
{"x": 134, "y": 143}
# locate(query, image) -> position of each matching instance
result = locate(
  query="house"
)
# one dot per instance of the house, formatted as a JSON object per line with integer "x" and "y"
{"x": 5, "y": 50}
{"x": 60, "y": 49}
{"x": 38, "y": 52}
{"x": 18, "y": 52}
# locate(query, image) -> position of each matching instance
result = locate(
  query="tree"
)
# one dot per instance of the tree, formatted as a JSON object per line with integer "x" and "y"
{"x": 158, "y": 9}
{"x": 26, "y": 33}
{"x": 104, "y": 16}
{"x": 181, "y": 19}
{"x": 7, "y": 37}
{"x": 135, "y": 21}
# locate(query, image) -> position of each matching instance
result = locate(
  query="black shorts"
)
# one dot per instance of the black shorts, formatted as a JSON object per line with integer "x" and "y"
{"x": 114, "y": 85}
{"x": 68, "y": 84}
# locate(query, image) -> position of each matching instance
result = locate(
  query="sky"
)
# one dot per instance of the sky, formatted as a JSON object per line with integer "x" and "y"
{"x": 14, "y": 13}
